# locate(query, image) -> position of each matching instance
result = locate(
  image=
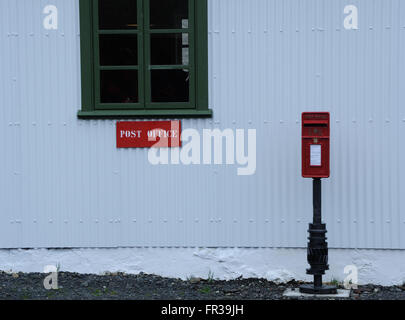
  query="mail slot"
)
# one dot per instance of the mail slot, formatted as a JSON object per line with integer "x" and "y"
{"x": 315, "y": 144}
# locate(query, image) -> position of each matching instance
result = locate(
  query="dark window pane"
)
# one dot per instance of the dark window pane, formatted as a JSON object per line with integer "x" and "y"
{"x": 169, "y": 49}
{"x": 118, "y": 50}
{"x": 170, "y": 85}
{"x": 119, "y": 86}
{"x": 169, "y": 14}
{"x": 117, "y": 14}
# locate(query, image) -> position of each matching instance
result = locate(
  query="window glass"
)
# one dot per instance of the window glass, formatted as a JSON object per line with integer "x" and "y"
{"x": 169, "y": 14}
{"x": 117, "y": 14}
{"x": 169, "y": 49}
{"x": 118, "y": 50}
{"x": 170, "y": 85}
{"x": 119, "y": 86}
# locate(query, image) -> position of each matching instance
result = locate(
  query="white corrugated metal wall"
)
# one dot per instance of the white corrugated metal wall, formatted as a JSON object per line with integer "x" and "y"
{"x": 64, "y": 184}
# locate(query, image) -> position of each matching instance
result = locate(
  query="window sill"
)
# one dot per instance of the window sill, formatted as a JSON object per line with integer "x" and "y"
{"x": 119, "y": 114}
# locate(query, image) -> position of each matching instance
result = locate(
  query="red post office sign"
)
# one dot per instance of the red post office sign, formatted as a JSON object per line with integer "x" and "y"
{"x": 148, "y": 134}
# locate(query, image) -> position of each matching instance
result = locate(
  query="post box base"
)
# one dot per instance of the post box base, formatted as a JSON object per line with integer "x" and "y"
{"x": 311, "y": 289}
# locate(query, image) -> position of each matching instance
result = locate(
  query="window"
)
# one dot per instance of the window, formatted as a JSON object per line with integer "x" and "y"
{"x": 144, "y": 58}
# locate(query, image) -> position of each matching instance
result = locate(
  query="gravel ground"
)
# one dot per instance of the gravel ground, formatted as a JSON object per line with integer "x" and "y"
{"x": 149, "y": 287}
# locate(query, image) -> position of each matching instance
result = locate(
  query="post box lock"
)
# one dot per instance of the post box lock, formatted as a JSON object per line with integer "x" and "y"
{"x": 315, "y": 144}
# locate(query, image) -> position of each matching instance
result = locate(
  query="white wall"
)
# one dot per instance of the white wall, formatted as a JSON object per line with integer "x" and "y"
{"x": 64, "y": 184}
{"x": 382, "y": 267}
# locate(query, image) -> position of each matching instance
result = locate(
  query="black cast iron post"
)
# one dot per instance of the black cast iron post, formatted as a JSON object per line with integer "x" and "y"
{"x": 317, "y": 247}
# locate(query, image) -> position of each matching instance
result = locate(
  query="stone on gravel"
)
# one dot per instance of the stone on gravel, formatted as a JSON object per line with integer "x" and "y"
{"x": 195, "y": 280}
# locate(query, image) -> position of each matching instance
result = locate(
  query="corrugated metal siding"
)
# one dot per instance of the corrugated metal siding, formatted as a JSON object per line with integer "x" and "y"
{"x": 64, "y": 184}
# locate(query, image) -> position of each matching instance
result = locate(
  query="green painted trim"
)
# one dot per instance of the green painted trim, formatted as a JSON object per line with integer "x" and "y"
{"x": 198, "y": 37}
{"x": 168, "y": 67}
{"x": 201, "y": 49}
{"x": 126, "y": 32}
{"x": 87, "y": 59}
{"x": 165, "y": 31}
{"x": 171, "y": 113}
{"x": 141, "y": 54}
{"x": 114, "y": 68}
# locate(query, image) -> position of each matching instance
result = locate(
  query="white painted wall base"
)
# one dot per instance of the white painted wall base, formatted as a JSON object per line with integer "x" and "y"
{"x": 382, "y": 267}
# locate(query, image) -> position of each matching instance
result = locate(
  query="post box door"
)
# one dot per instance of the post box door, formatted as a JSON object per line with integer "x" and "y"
{"x": 315, "y": 158}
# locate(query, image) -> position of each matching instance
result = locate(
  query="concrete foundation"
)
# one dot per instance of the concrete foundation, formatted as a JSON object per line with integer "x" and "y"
{"x": 295, "y": 293}
{"x": 380, "y": 267}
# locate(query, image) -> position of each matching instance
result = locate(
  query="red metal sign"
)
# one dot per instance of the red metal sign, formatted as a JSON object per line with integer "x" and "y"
{"x": 148, "y": 134}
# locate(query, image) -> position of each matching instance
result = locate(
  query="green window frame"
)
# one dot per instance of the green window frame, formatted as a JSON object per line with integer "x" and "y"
{"x": 197, "y": 66}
